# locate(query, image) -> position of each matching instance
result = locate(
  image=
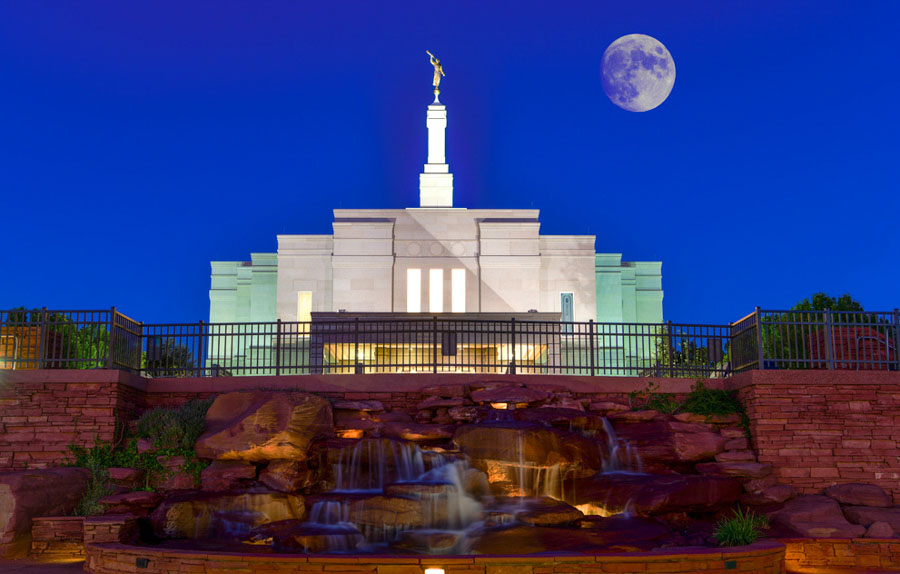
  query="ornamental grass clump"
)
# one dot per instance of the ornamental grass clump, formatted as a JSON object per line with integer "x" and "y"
{"x": 741, "y": 529}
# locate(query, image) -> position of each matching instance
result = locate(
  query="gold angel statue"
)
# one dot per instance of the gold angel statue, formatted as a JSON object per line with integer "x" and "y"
{"x": 438, "y": 72}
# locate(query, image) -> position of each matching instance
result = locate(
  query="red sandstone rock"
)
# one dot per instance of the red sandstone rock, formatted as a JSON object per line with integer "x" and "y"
{"x": 259, "y": 426}
{"x": 379, "y": 511}
{"x": 565, "y": 419}
{"x": 740, "y": 443}
{"x": 536, "y": 445}
{"x": 468, "y": 414}
{"x": 364, "y": 406}
{"x": 27, "y": 494}
{"x": 879, "y": 530}
{"x": 435, "y": 402}
{"x": 173, "y": 477}
{"x": 446, "y": 391}
{"x": 226, "y": 474}
{"x": 760, "y": 484}
{"x": 293, "y": 535}
{"x": 678, "y": 426}
{"x": 772, "y": 495}
{"x": 144, "y": 445}
{"x": 736, "y": 456}
{"x": 816, "y": 516}
{"x": 427, "y": 541}
{"x": 867, "y": 515}
{"x": 287, "y": 475}
{"x": 509, "y": 394}
{"x": 633, "y": 416}
{"x": 738, "y": 469}
{"x": 715, "y": 419}
{"x": 130, "y": 477}
{"x": 605, "y": 407}
{"x": 733, "y": 432}
{"x": 418, "y": 432}
{"x": 138, "y": 503}
{"x": 391, "y": 417}
{"x": 209, "y": 515}
{"x": 858, "y": 494}
{"x": 696, "y": 446}
{"x": 648, "y": 494}
{"x": 548, "y": 512}
{"x": 567, "y": 403}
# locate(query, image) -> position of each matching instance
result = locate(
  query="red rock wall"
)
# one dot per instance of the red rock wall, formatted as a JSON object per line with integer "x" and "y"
{"x": 57, "y": 538}
{"x": 820, "y": 428}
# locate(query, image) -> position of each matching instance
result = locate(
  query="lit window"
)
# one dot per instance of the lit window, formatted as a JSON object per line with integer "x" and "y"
{"x": 458, "y": 290}
{"x": 435, "y": 290}
{"x": 304, "y": 306}
{"x": 413, "y": 290}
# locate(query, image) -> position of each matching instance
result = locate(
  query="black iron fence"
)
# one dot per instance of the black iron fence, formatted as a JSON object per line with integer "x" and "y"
{"x": 426, "y": 344}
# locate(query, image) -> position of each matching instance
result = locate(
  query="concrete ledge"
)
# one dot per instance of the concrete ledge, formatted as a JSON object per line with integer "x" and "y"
{"x": 762, "y": 557}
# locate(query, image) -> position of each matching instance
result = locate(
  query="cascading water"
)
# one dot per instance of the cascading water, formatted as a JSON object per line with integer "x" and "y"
{"x": 376, "y": 472}
{"x": 623, "y": 457}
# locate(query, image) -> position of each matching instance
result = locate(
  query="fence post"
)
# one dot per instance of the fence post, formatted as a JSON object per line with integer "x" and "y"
{"x": 201, "y": 341}
{"x": 829, "y": 348}
{"x": 41, "y": 360}
{"x": 671, "y": 349}
{"x": 356, "y": 345}
{"x": 760, "y": 355}
{"x": 512, "y": 346}
{"x": 591, "y": 335}
{"x": 434, "y": 331}
{"x": 278, "y": 347}
{"x": 896, "y": 338}
{"x": 111, "y": 341}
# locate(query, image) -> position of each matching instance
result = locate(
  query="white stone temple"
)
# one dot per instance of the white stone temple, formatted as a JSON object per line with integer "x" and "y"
{"x": 435, "y": 259}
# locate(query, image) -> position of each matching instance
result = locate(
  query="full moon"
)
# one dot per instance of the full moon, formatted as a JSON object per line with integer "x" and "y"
{"x": 637, "y": 72}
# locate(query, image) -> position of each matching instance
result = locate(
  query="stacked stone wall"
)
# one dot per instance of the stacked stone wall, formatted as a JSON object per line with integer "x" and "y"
{"x": 820, "y": 428}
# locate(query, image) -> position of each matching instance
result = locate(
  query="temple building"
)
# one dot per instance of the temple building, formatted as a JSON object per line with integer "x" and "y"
{"x": 431, "y": 260}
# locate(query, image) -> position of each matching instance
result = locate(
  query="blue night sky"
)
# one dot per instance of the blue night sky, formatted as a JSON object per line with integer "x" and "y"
{"x": 140, "y": 140}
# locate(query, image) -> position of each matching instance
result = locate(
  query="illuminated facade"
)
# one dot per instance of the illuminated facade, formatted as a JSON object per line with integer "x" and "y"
{"x": 434, "y": 259}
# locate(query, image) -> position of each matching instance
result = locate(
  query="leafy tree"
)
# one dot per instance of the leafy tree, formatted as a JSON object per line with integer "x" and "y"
{"x": 166, "y": 357}
{"x": 67, "y": 344}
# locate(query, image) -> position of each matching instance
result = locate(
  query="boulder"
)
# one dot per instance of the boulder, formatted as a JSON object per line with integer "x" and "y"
{"x": 760, "y": 484}
{"x": 772, "y": 495}
{"x": 736, "y": 469}
{"x": 144, "y": 445}
{"x": 468, "y": 414}
{"x": 670, "y": 445}
{"x": 129, "y": 477}
{"x": 226, "y": 474}
{"x": 879, "y": 530}
{"x": 363, "y": 406}
{"x": 740, "y": 443}
{"x": 445, "y": 391}
{"x": 229, "y": 516}
{"x": 816, "y": 516}
{"x": 428, "y": 541}
{"x": 435, "y": 402}
{"x": 30, "y": 493}
{"x": 294, "y": 535}
{"x": 731, "y": 419}
{"x": 419, "y": 489}
{"x": 548, "y": 512}
{"x": 697, "y": 446}
{"x": 509, "y": 394}
{"x": 260, "y": 426}
{"x": 287, "y": 475}
{"x": 382, "y": 512}
{"x": 532, "y": 444}
{"x": 648, "y": 494}
{"x": 563, "y": 418}
{"x": 173, "y": 475}
{"x": 418, "y": 432}
{"x": 620, "y": 528}
{"x": 857, "y": 494}
{"x": 138, "y": 503}
{"x": 736, "y": 456}
{"x": 733, "y": 432}
{"x": 605, "y": 407}
{"x": 633, "y": 416}
{"x": 391, "y": 417}
{"x": 868, "y": 515}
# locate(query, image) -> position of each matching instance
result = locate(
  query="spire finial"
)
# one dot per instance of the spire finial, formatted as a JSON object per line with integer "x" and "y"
{"x": 438, "y": 73}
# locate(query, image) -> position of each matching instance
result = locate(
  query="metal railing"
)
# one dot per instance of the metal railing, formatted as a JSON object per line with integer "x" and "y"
{"x": 431, "y": 344}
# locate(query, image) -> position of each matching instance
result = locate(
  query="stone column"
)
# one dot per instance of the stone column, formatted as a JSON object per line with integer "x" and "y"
{"x": 436, "y": 181}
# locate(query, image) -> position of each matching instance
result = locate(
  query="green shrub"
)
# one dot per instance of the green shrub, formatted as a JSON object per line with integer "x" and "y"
{"x": 704, "y": 401}
{"x": 741, "y": 529}
{"x": 176, "y": 428}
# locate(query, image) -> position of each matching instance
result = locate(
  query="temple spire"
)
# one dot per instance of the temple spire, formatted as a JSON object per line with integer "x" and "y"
{"x": 436, "y": 181}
